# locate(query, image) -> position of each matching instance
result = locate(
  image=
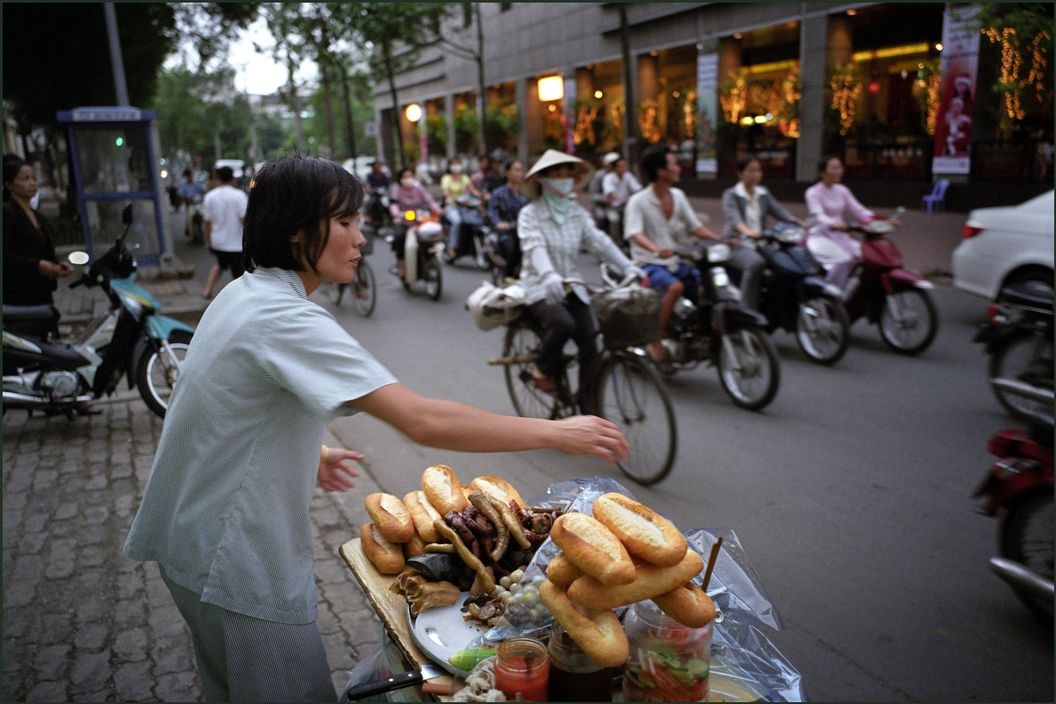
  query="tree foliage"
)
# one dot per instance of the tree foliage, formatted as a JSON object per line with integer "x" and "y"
{"x": 56, "y": 56}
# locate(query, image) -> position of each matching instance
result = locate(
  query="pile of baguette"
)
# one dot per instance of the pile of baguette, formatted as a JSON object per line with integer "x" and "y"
{"x": 626, "y": 553}
{"x": 478, "y": 522}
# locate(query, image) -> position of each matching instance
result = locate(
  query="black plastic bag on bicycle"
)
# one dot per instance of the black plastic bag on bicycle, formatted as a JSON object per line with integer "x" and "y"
{"x": 628, "y": 317}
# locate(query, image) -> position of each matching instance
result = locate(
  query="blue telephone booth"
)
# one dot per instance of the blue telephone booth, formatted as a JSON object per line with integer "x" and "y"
{"x": 115, "y": 162}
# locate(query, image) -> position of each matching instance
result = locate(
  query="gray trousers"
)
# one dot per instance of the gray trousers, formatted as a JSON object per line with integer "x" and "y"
{"x": 246, "y": 659}
{"x": 750, "y": 263}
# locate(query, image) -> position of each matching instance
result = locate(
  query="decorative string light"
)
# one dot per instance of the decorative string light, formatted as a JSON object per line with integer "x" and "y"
{"x": 1012, "y": 66}
{"x": 846, "y": 92}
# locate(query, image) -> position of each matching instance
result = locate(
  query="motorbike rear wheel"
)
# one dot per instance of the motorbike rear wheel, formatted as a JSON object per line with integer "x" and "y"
{"x": 822, "y": 330}
{"x": 1010, "y": 361}
{"x": 1026, "y": 538}
{"x": 748, "y": 368}
{"x": 156, "y": 377}
{"x": 909, "y": 321}
{"x": 433, "y": 276}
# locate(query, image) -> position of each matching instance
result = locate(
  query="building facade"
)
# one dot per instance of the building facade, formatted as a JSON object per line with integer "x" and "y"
{"x": 789, "y": 82}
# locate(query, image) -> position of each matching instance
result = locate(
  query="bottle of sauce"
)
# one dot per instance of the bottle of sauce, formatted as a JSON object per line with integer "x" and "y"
{"x": 668, "y": 662}
{"x": 522, "y": 670}
{"x": 573, "y": 676}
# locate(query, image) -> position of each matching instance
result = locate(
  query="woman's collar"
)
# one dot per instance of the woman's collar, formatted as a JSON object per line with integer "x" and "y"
{"x": 740, "y": 190}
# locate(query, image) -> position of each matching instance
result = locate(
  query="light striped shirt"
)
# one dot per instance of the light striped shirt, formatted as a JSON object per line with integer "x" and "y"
{"x": 225, "y": 510}
{"x": 536, "y": 228}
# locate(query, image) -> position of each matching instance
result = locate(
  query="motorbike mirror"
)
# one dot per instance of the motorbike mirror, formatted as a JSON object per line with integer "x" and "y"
{"x": 78, "y": 258}
{"x": 126, "y": 215}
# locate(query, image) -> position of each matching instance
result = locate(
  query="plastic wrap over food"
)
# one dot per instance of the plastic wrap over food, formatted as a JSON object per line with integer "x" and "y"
{"x": 741, "y": 651}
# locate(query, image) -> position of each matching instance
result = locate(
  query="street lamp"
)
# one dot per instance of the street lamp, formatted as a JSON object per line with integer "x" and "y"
{"x": 551, "y": 88}
{"x": 413, "y": 113}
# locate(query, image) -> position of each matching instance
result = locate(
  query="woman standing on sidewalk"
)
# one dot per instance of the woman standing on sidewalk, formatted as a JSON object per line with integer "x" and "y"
{"x": 225, "y": 511}
{"x": 31, "y": 268}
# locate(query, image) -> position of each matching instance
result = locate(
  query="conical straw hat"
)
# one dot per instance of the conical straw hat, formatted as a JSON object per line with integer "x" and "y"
{"x": 552, "y": 157}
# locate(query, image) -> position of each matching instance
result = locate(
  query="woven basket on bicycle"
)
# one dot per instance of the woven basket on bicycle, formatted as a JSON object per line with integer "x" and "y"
{"x": 628, "y": 317}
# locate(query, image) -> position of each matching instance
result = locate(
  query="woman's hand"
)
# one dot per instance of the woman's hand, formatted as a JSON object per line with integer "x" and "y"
{"x": 503, "y": 227}
{"x": 333, "y": 474}
{"x": 590, "y": 435}
{"x": 51, "y": 270}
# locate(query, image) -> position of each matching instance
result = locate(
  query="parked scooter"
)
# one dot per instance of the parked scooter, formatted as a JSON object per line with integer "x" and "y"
{"x": 887, "y": 294}
{"x": 716, "y": 329}
{"x": 130, "y": 339}
{"x": 423, "y": 249}
{"x": 794, "y": 295}
{"x": 1019, "y": 487}
{"x": 473, "y": 234}
{"x": 1018, "y": 338}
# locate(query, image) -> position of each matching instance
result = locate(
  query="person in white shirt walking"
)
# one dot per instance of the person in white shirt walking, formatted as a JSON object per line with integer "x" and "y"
{"x": 225, "y": 209}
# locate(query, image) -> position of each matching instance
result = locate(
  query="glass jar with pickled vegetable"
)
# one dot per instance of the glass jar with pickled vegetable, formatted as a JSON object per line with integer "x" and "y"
{"x": 668, "y": 662}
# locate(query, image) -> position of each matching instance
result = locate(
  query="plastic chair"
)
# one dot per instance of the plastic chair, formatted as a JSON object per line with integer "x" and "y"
{"x": 936, "y": 200}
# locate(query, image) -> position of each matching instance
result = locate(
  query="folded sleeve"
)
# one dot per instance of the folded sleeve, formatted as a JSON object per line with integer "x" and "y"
{"x": 528, "y": 229}
{"x": 315, "y": 359}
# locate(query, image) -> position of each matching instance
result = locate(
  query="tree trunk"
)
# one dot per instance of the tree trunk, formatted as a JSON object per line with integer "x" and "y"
{"x": 328, "y": 107}
{"x": 482, "y": 93}
{"x": 395, "y": 102}
{"x": 350, "y": 119}
{"x": 295, "y": 105}
{"x": 630, "y": 131}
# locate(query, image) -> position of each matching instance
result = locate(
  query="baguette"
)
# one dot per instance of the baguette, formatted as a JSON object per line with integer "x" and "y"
{"x": 562, "y": 572}
{"x": 597, "y": 632}
{"x": 652, "y": 581}
{"x": 419, "y": 508}
{"x": 688, "y": 605}
{"x": 646, "y": 534}
{"x": 390, "y": 517}
{"x": 414, "y": 547}
{"x": 497, "y": 488}
{"x": 443, "y": 490}
{"x": 386, "y": 557}
{"x": 593, "y": 548}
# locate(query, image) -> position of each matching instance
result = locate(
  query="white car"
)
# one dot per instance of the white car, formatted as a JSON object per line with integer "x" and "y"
{"x": 1005, "y": 246}
{"x": 237, "y": 166}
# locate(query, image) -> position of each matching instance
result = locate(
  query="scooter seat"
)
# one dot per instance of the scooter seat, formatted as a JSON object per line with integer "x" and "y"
{"x": 18, "y": 314}
{"x": 1033, "y": 297}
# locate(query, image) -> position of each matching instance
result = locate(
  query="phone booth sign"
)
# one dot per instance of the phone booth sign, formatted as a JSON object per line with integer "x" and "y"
{"x": 115, "y": 163}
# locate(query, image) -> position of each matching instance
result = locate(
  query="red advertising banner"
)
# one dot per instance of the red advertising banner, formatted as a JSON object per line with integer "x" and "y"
{"x": 960, "y": 59}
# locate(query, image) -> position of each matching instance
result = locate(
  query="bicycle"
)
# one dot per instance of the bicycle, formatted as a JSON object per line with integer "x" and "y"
{"x": 623, "y": 387}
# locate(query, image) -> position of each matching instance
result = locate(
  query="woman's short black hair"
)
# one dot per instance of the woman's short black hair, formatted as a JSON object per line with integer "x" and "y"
{"x": 12, "y": 165}
{"x": 654, "y": 159}
{"x": 401, "y": 172}
{"x": 291, "y": 195}
{"x": 824, "y": 163}
{"x": 744, "y": 161}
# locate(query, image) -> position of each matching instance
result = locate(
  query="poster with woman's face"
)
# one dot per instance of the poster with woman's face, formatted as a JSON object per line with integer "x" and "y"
{"x": 960, "y": 58}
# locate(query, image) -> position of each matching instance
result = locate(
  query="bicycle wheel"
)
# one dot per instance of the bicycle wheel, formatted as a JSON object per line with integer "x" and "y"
{"x": 519, "y": 349}
{"x": 631, "y": 394}
{"x": 364, "y": 289}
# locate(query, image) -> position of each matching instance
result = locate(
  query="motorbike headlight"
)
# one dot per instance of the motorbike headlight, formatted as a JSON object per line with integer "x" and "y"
{"x": 719, "y": 277}
{"x": 409, "y": 215}
{"x": 718, "y": 253}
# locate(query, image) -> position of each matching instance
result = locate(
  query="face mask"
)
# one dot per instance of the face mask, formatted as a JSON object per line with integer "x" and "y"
{"x": 407, "y": 183}
{"x": 562, "y": 186}
{"x": 456, "y": 169}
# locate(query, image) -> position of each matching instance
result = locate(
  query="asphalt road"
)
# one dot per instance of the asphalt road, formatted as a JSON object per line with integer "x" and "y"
{"x": 851, "y": 492}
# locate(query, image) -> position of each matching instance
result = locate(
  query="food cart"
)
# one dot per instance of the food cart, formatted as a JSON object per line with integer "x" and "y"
{"x": 745, "y": 665}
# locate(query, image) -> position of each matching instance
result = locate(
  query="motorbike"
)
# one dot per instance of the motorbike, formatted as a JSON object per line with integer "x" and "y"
{"x": 423, "y": 249}
{"x": 881, "y": 290}
{"x": 377, "y": 211}
{"x": 718, "y": 330}
{"x": 794, "y": 295}
{"x": 194, "y": 230}
{"x": 1019, "y": 489}
{"x": 131, "y": 338}
{"x": 475, "y": 237}
{"x": 1018, "y": 338}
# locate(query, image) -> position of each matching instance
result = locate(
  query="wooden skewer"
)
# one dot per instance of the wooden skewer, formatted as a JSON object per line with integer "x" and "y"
{"x": 711, "y": 562}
